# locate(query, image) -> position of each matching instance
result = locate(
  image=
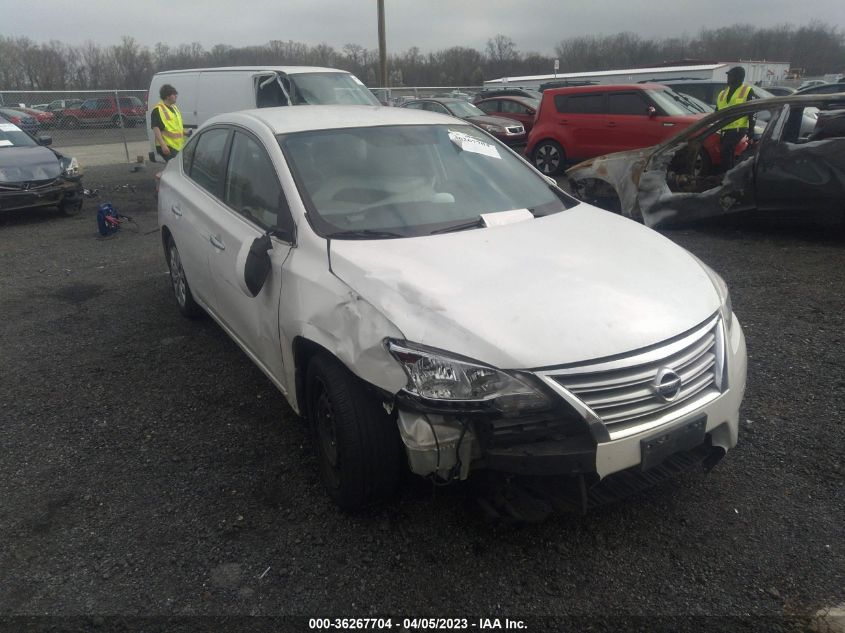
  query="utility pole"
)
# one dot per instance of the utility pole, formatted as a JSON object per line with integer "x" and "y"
{"x": 382, "y": 45}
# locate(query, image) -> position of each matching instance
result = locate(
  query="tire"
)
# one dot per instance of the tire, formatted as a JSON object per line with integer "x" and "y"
{"x": 71, "y": 209}
{"x": 549, "y": 157}
{"x": 70, "y": 122}
{"x": 357, "y": 442}
{"x": 185, "y": 300}
{"x": 117, "y": 119}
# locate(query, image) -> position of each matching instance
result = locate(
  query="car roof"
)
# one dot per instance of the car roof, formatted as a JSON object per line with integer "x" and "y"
{"x": 527, "y": 101}
{"x": 601, "y": 88}
{"x": 290, "y": 70}
{"x": 301, "y": 118}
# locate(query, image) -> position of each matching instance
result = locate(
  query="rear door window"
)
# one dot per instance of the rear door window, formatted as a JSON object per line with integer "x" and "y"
{"x": 209, "y": 159}
{"x": 252, "y": 187}
{"x": 592, "y": 103}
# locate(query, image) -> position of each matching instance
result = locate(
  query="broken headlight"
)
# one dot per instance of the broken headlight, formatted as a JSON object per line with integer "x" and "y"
{"x": 445, "y": 382}
{"x": 70, "y": 167}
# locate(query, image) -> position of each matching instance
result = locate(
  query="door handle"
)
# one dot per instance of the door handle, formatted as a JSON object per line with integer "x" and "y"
{"x": 668, "y": 124}
{"x": 611, "y": 124}
{"x": 176, "y": 210}
{"x": 217, "y": 243}
{"x": 563, "y": 122}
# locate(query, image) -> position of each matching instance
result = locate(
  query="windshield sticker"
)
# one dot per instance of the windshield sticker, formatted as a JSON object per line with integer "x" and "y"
{"x": 5, "y": 143}
{"x": 9, "y": 127}
{"x": 471, "y": 144}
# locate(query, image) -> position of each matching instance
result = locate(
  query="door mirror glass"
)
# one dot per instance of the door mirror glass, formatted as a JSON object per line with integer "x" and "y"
{"x": 652, "y": 111}
{"x": 45, "y": 140}
{"x": 257, "y": 265}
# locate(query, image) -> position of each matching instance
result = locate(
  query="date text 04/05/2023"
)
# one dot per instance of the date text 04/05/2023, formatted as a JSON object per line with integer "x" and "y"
{"x": 416, "y": 624}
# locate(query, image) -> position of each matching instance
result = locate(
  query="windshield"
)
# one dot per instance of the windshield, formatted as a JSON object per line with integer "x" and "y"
{"x": 673, "y": 103}
{"x": 464, "y": 109}
{"x": 12, "y": 136}
{"x": 330, "y": 89}
{"x": 406, "y": 181}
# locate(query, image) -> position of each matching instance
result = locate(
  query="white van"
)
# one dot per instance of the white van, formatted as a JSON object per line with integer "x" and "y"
{"x": 205, "y": 92}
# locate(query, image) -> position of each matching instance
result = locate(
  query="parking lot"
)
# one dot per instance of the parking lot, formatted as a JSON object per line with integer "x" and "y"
{"x": 148, "y": 467}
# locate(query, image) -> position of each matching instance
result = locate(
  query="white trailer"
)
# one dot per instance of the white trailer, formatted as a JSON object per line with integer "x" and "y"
{"x": 765, "y": 72}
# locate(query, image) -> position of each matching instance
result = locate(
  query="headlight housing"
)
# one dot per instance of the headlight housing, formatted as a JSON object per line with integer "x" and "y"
{"x": 493, "y": 128}
{"x": 444, "y": 382}
{"x": 70, "y": 167}
{"x": 722, "y": 289}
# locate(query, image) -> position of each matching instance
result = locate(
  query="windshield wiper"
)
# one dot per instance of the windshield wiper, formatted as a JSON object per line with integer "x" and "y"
{"x": 364, "y": 234}
{"x": 477, "y": 223}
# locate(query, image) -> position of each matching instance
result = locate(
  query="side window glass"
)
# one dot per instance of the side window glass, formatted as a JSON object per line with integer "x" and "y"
{"x": 626, "y": 103}
{"x": 89, "y": 105}
{"x": 188, "y": 155}
{"x": 488, "y": 106}
{"x": 592, "y": 103}
{"x": 512, "y": 106}
{"x": 586, "y": 104}
{"x": 208, "y": 159}
{"x": 415, "y": 106}
{"x": 252, "y": 188}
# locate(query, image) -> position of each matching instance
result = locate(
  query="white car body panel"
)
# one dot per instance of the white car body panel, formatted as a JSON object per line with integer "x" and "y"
{"x": 575, "y": 286}
{"x": 564, "y": 288}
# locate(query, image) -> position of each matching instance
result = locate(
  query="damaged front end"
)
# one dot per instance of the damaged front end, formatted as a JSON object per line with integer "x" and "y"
{"x": 610, "y": 182}
{"x": 456, "y": 415}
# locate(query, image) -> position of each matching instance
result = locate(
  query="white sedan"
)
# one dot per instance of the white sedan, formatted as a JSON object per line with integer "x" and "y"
{"x": 427, "y": 299}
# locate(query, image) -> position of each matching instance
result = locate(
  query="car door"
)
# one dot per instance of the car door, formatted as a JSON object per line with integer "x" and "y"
{"x": 512, "y": 109}
{"x": 190, "y": 203}
{"x": 673, "y": 186}
{"x": 252, "y": 204}
{"x": 629, "y": 123}
{"x": 583, "y": 117}
{"x": 796, "y": 172}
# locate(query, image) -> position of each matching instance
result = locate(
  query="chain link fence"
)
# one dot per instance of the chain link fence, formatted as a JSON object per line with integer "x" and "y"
{"x": 109, "y": 126}
{"x": 96, "y": 126}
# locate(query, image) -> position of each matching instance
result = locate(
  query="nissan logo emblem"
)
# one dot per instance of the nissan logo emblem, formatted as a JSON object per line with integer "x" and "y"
{"x": 667, "y": 384}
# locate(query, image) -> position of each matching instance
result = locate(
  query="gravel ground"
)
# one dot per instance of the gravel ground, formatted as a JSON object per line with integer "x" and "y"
{"x": 147, "y": 467}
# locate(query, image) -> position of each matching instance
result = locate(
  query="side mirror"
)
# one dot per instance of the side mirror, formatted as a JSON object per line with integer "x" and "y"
{"x": 256, "y": 265}
{"x": 44, "y": 140}
{"x": 652, "y": 112}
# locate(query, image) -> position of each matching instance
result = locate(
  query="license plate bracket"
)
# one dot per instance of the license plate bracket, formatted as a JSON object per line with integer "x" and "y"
{"x": 658, "y": 447}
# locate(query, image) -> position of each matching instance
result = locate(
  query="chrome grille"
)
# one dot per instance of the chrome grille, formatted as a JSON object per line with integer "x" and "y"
{"x": 621, "y": 393}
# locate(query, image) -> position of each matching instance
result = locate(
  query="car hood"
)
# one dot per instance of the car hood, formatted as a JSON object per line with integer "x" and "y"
{"x": 22, "y": 164}
{"x": 574, "y": 286}
{"x": 492, "y": 120}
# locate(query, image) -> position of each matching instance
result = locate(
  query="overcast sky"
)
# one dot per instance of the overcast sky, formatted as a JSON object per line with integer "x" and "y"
{"x": 534, "y": 25}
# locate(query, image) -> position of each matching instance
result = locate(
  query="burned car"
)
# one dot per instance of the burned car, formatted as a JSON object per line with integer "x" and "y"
{"x": 373, "y": 263}
{"x": 33, "y": 175}
{"x": 781, "y": 170}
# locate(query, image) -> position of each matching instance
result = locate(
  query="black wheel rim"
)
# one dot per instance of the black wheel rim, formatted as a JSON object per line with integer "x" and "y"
{"x": 547, "y": 159}
{"x": 326, "y": 432}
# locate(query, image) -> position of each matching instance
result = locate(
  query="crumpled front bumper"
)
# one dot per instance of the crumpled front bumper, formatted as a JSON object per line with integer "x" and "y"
{"x": 451, "y": 448}
{"x": 58, "y": 192}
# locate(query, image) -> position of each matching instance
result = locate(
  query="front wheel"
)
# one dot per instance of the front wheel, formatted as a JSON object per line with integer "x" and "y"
{"x": 187, "y": 305}
{"x": 549, "y": 157}
{"x": 357, "y": 442}
{"x": 118, "y": 120}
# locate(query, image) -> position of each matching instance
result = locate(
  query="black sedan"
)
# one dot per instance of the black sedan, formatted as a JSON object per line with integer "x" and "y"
{"x": 24, "y": 121}
{"x": 510, "y": 132}
{"x": 33, "y": 175}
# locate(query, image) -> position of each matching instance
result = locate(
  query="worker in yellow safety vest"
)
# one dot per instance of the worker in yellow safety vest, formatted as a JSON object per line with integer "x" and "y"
{"x": 735, "y": 93}
{"x": 166, "y": 123}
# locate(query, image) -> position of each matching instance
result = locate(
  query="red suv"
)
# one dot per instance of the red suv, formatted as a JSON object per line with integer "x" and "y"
{"x": 575, "y": 124}
{"x": 104, "y": 111}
